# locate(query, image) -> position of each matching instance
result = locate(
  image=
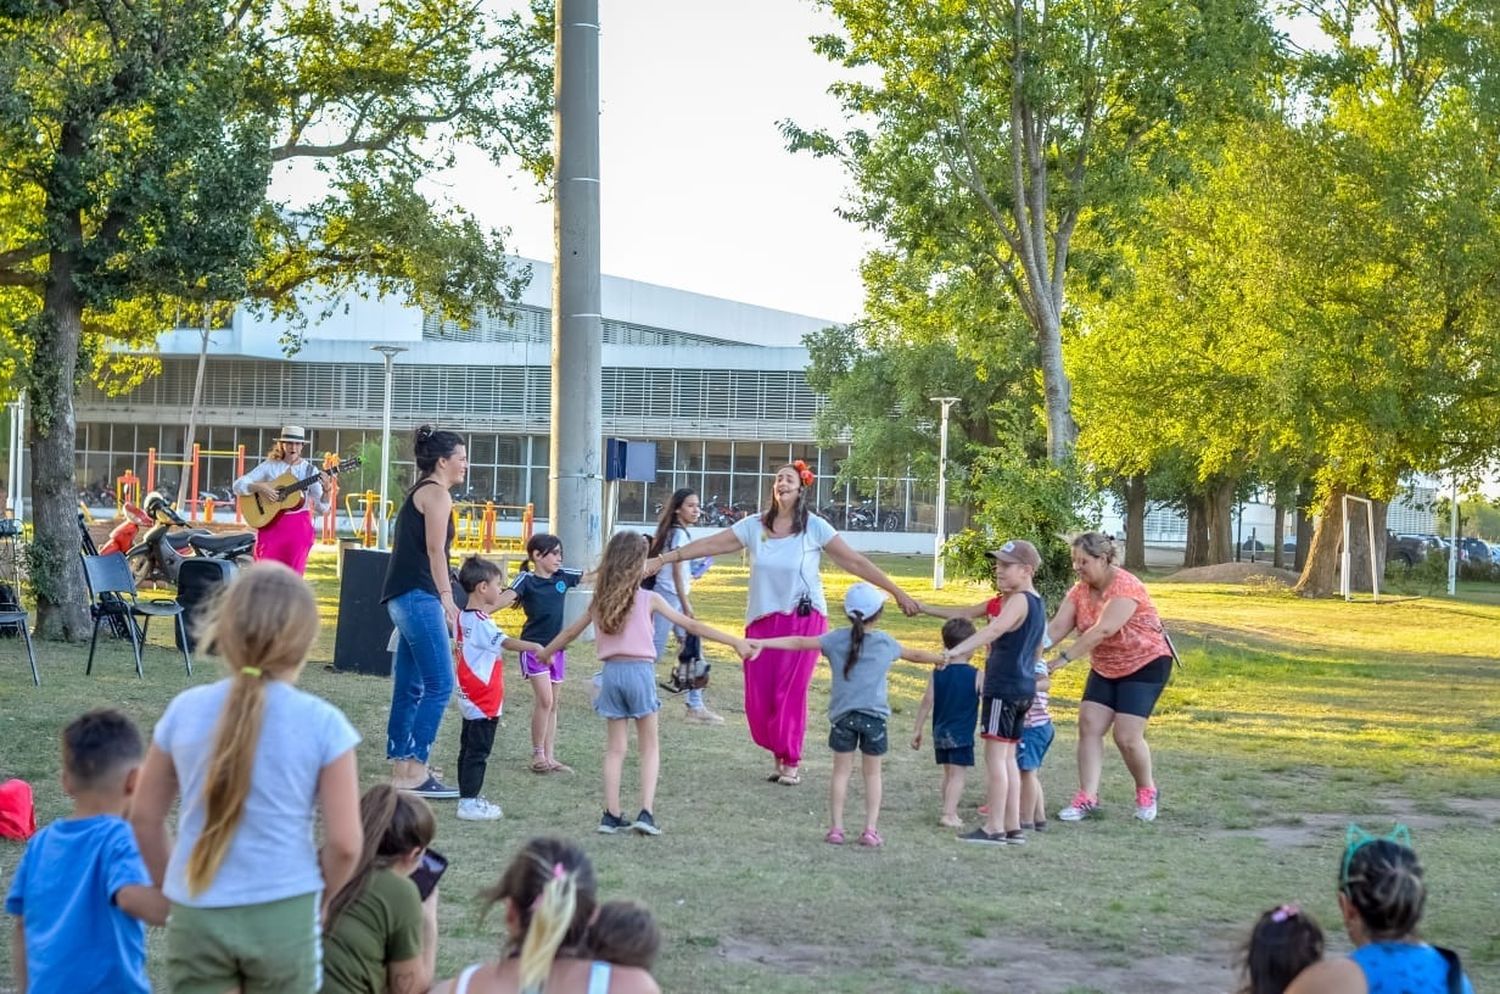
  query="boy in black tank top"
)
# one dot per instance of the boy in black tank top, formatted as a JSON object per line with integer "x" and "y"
{"x": 1007, "y": 686}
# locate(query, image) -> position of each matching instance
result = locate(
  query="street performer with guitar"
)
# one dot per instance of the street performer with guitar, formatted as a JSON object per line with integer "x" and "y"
{"x": 288, "y": 536}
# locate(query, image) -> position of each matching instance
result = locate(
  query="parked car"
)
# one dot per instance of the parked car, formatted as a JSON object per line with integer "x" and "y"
{"x": 1475, "y": 550}
{"x": 1408, "y": 550}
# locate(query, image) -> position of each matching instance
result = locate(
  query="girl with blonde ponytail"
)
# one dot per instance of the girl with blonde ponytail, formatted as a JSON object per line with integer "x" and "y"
{"x": 253, "y": 759}
{"x": 548, "y": 893}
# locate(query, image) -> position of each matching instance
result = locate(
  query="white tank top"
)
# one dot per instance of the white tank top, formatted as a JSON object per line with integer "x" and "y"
{"x": 599, "y": 972}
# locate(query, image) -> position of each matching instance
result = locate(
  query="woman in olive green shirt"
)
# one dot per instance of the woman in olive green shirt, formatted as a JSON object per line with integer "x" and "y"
{"x": 381, "y": 935}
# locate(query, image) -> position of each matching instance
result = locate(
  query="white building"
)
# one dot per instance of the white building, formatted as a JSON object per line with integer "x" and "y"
{"x": 719, "y": 385}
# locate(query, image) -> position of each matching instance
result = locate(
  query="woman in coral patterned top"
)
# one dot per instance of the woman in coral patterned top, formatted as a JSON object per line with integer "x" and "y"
{"x": 1130, "y": 662}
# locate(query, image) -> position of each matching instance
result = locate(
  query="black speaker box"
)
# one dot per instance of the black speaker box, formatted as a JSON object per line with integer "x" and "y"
{"x": 364, "y": 627}
{"x": 198, "y": 580}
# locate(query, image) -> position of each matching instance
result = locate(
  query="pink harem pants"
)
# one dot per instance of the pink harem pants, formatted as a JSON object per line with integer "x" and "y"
{"x": 776, "y": 685}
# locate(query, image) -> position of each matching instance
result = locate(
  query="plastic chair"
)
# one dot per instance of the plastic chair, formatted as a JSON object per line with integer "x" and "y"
{"x": 115, "y": 597}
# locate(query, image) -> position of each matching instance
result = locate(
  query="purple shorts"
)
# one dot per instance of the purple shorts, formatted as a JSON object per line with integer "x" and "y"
{"x": 559, "y": 668}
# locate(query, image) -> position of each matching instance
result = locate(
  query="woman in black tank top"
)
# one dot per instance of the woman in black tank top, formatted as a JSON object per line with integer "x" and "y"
{"x": 418, "y": 594}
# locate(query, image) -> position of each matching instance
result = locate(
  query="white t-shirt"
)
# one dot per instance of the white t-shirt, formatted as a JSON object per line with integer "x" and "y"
{"x": 666, "y": 577}
{"x": 783, "y": 570}
{"x": 273, "y": 855}
{"x": 273, "y": 469}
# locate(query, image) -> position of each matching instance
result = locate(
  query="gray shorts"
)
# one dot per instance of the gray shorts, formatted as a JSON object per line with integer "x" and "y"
{"x": 627, "y": 689}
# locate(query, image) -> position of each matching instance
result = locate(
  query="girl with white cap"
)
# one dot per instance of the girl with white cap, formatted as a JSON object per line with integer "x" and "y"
{"x": 858, "y": 706}
{"x": 288, "y": 538}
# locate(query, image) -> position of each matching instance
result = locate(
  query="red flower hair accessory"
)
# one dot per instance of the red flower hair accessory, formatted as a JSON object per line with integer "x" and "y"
{"x": 803, "y": 473}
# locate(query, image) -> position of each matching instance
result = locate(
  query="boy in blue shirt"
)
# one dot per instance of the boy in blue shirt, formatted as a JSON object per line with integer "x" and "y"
{"x": 81, "y": 894}
{"x": 954, "y": 702}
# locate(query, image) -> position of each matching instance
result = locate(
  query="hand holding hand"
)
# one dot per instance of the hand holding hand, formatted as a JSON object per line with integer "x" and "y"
{"x": 543, "y": 656}
{"x": 909, "y": 606}
{"x": 756, "y": 647}
{"x": 450, "y": 611}
{"x": 535, "y": 648}
{"x": 652, "y": 566}
{"x": 746, "y": 649}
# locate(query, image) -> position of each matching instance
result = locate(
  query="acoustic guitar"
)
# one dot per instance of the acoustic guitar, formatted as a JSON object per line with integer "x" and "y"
{"x": 259, "y": 510}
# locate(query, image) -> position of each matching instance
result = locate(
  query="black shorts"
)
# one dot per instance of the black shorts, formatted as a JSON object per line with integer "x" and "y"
{"x": 859, "y": 730}
{"x": 1135, "y": 693}
{"x": 1001, "y": 719}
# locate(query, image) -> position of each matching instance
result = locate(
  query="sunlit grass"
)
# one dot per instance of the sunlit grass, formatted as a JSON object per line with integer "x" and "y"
{"x": 1291, "y": 713}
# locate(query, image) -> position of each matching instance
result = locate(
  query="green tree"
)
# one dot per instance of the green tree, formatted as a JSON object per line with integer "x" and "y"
{"x": 140, "y": 136}
{"x": 999, "y": 131}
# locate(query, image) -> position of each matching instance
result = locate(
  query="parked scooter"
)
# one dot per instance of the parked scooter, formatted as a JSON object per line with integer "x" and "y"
{"x": 160, "y": 551}
{"x": 122, "y": 537}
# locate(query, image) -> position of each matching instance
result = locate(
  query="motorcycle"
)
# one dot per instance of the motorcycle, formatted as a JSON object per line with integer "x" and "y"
{"x": 160, "y": 552}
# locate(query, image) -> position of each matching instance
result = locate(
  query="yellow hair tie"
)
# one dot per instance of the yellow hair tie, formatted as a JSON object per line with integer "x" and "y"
{"x": 252, "y": 671}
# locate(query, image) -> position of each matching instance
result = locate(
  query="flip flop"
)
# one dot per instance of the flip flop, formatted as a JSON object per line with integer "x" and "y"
{"x": 541, "y": 768}
{"x": 557, "y": 767}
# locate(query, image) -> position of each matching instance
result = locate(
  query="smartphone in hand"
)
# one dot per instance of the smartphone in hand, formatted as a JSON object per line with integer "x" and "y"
{"x": 429, "y": 871}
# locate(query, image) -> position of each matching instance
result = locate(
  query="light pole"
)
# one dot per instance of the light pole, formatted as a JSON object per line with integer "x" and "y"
{"x": 390, "y": 352}
{"x": 942, "y": 494}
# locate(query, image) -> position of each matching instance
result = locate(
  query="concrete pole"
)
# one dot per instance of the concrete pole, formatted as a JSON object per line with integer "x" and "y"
{"x": 15, "y": 456}
{"x": 382, "y": 541}
{"x": 574, "y": 496}
{"x": 942, "y": 495}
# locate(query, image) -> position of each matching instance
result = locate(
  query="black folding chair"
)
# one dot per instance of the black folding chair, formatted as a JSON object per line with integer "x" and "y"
{"x": 115, "y": 597}
{"x": 15, "y": 615}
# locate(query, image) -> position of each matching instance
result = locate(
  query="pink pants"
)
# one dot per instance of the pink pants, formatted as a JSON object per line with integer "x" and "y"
{"x": 287, "y": 540}
{"x": 776, "y": 685}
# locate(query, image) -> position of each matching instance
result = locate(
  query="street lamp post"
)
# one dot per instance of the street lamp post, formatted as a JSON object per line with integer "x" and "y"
{"x": 390, "y": 352}
{"x": 942, "y": 494}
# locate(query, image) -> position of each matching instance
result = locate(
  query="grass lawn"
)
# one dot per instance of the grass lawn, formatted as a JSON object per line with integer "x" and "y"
{"x": 1290, "y": 719}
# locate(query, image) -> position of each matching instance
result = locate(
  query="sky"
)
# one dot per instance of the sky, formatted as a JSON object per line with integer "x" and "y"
{"x": 697, "y": 189}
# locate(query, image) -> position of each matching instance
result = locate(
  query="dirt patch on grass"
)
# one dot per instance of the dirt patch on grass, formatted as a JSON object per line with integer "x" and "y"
{"x": 1012, "y": 963}
{"x": 1232, "y": 573}
{"x": 1317, "y": 829}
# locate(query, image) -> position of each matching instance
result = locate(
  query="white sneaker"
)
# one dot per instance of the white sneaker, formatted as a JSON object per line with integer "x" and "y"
{"x": 478, "y": 809}
{"x": 1083, "y": 805}
{"x": 703, "y": 716}
{"x": 1145, "y": 804}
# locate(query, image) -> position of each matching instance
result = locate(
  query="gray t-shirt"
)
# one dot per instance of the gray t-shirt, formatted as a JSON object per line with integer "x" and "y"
{"x": 273, "y": 854}
{"x": 864, "y": 689}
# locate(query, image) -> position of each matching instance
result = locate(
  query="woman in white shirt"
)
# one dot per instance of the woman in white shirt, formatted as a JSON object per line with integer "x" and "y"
{"x": 785, "y": 543}
{"x": 289, "y": 537}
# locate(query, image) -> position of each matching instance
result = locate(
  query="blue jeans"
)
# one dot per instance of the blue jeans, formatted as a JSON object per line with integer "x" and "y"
{"x": 423, "y": 676}
{"x": 663, "y": 629}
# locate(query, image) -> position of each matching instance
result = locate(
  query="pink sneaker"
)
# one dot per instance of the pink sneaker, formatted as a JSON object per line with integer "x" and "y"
{"x": 1083, "y": 805}
{"x": 1145, "y": 803}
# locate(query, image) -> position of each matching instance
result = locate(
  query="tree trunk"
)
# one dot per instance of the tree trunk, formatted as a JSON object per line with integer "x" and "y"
{"x": 62, "y": 610}
{"x": 1135, "y": 523}
{"x": 1196, "y": 553}
{"x": 1062, "y": 431}
{"x": 1320, "y": 577}
{"x": 1304, "y": 526}
{"x": 1278, "y": 555}
{"x": 1220, "y": 525}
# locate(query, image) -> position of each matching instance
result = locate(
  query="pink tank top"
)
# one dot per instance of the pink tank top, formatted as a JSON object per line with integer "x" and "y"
{"x": 636, "y": 640}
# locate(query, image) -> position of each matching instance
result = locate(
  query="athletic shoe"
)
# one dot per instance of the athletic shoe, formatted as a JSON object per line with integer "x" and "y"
{"x": 610, "y": 824}
{"x": 980, "y": 837}
{"x": 478, "y": 809}
{"x": 432, "y": 789}
{"x": 1083, "y": 805}
{"x": 645, "y": 824}
{"x": 1145, "y": 804}
{"x": 703, "y": 716}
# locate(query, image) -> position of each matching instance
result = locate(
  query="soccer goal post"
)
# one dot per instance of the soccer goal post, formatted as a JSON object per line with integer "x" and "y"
{"x": 1347, "y": 559}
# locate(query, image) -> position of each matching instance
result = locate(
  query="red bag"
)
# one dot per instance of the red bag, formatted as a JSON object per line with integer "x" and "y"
{"x": 17, "y": 812}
